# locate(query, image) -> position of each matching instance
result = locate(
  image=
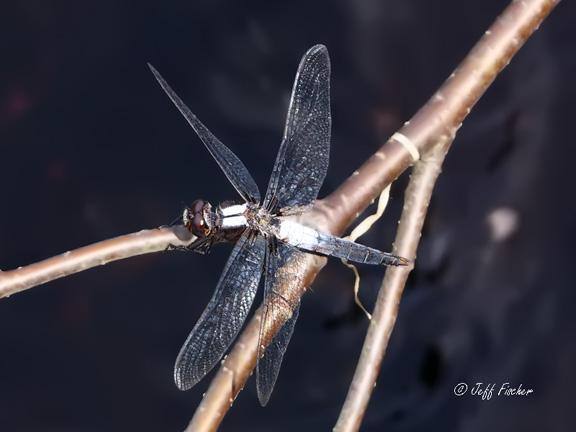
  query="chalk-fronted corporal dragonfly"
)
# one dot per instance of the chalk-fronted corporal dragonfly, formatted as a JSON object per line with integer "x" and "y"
{"x": 268, "y": 240}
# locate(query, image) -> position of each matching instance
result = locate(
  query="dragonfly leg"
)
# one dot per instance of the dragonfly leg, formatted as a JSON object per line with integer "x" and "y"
{"x": 171, "y": 247}
{"x": 201, "y": 246}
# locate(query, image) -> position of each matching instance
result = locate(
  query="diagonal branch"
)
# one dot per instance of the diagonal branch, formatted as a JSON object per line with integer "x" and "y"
{"x": 435, "y": 123}
{"x": 444, "y": 112}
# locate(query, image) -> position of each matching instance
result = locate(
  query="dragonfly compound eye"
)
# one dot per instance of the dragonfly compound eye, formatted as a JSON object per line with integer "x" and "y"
{"x": 196, "y": 217}
{"x": 198, "y": 225}
{"x": 197, "y": 206}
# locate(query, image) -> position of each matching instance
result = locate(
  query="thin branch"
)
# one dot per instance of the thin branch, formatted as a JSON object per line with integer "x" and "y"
{"x": 417, "y": 199}
{"x": 97, "y": 254}
{"x": 436, "y": 122}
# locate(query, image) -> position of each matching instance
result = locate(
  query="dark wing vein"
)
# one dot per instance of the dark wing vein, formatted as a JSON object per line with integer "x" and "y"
{"x": 226, "y": 312}
{"x": 284, "y": 272}
{"x": 233, "y": 168}
{"x": 302, "y": 160}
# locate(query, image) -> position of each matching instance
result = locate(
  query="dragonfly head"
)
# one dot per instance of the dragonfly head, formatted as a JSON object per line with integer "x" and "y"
{"x": 198, "y": 218}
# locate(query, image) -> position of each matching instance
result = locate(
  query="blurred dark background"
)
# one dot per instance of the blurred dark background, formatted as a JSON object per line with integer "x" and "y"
{"x": 91, "y": 148}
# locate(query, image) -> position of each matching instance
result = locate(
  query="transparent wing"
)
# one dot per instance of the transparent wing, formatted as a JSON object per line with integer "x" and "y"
{"x": 223, "y": 317}
{"x": 284, "y": 272}
{"x": 302, "y": 160}
{"x": 233, "y": 168}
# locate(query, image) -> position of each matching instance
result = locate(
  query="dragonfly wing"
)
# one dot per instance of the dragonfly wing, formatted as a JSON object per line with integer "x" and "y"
{"x": 226, "y": 312}
{"x": 302, "y": 160}
{"x": 233, "y": 168}
{"x": 283, "y": 274}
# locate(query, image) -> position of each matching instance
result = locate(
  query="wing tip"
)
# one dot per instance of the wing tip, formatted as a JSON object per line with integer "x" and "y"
{"x": 263, "y": 392}
{"x": 182, "y": 380}
{"x": 160, "y": 80}
{"x": 263, "y": 399}
{"x": 318, "y": 48}
{"x": 184, "y": 376}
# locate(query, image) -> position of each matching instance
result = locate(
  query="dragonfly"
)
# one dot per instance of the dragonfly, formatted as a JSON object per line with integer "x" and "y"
{"x": 268, "y": 238}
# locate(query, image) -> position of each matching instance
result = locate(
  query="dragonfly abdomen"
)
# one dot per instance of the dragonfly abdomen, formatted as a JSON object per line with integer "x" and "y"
{"x": 352, "y": 251}
{"x": 309, "y": 239}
